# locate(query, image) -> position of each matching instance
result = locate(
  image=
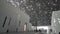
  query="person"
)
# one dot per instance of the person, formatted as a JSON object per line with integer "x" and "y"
{"x": 7, "y": 31}
{"x": 50, "y": 31}
{"x": 40, "y": 32}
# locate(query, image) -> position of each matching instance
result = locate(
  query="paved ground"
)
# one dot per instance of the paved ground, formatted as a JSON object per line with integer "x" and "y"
{"x": 20, "y": 33}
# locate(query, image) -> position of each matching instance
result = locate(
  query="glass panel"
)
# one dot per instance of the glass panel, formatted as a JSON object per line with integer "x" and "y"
{"x": 56, "y": 22}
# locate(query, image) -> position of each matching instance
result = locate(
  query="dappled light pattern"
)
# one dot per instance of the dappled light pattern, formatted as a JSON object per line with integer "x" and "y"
{"x": 40, "y": 11}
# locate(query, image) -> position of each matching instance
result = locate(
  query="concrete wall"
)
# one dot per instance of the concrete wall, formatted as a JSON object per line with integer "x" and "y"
{"x": 56, "y": 21}
{"x": 15, "y": 14}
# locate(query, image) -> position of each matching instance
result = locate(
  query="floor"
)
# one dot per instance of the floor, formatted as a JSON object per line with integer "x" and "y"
{"x": 20, "y": 33}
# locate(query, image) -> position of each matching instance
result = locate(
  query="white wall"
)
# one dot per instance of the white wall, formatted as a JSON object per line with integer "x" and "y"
{"x": 10, "y": 12}
{"x": 15, "y": 14}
